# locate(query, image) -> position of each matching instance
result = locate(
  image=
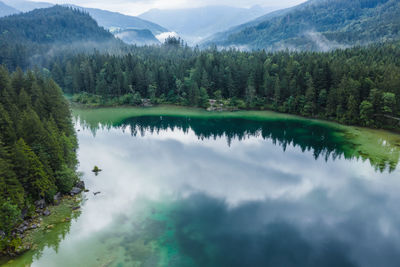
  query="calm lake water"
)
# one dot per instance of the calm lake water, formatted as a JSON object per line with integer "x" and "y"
{"x": 179, "y": 191}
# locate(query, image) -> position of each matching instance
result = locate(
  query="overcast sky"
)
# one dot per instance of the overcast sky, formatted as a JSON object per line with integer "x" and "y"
{"x": 136, "y": 7}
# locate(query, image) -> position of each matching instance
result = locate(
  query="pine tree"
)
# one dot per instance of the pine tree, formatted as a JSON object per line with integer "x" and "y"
{"x": 309, "y": 108}
{"x": 277, "y": 93}
{"x": 366, "y": 113}
{"x": 31, "y": 172}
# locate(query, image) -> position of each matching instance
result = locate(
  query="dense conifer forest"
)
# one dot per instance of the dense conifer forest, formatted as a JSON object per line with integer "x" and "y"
{"x": 37, "y": 148}
{"x": 358, "y": 86}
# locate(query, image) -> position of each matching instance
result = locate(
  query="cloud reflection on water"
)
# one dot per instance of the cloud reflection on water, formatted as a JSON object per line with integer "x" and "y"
{"x": 250, "y": 202}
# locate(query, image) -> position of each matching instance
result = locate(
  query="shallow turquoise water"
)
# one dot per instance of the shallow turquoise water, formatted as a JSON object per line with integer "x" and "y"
{"x": 179, "y": 191}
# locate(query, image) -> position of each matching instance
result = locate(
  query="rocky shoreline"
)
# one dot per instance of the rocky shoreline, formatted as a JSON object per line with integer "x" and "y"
{"x": 20, "y": 235}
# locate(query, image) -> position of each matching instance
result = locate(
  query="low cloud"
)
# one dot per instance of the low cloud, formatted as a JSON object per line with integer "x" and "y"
{"x": 163, "y": 36}
{"x": 322, "y": 43}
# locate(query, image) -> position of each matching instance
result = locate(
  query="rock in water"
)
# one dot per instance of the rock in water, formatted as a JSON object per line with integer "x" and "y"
{"x": 81, "y": 185}
{"x": 96, "y": 170}
{"x": 75, "y": 191}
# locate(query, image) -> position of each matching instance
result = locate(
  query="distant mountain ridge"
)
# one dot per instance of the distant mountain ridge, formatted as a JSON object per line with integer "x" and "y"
{"x": 115, "y": 20}
{"x": 130, "y": 29}
{"x": 317, "y": 25}
{"x": 195, "y": 24}
{"x": 26, "y": 6}
{"x": 6, "y": 10}
{"x": 25, "y": 38}
{"x": 50, "y": 25}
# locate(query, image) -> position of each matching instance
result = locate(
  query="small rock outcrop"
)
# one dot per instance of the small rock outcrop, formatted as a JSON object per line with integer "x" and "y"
{"x": 75, "y": 191}
{"x": 40, "y": 204}
{"x": 81, "y": 185}
{"x": 57, "y": 198}
{"x": 46, "y": 212}
{"x": 96, "y": 170}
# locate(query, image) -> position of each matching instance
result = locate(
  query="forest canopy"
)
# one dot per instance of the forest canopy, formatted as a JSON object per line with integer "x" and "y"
{"x": 358, "y": 86}
{"x": 37, "y": 147}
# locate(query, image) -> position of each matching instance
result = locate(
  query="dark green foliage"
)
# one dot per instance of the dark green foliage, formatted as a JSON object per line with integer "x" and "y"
{"x": 37, "y": 145}
{"x": 10, "y": 214}
{"x": 332, "y": 85}
{"x": 66, "y": 178}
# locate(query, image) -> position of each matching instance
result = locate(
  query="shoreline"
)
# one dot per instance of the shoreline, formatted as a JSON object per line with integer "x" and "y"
{"x": 253, "y": 114}
{"x": 381, "y": 147}
{"x": 47, "y": 218}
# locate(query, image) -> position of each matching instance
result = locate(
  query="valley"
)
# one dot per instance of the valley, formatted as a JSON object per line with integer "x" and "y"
{"x": 184, "y": 133}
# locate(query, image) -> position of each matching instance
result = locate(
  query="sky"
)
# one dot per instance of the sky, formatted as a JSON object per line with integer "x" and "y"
{"x": 136, "y": 7}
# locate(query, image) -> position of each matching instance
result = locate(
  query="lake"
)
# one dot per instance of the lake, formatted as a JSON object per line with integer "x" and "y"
{"x": 189, "y": 188}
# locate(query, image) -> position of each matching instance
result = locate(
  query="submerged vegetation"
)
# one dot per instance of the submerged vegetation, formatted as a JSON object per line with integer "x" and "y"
{"x": 37, "y": 149}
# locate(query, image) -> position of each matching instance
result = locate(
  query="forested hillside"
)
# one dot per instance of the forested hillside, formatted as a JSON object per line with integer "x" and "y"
{"x": 42, "y": 31}
{"x": 37, "y": 148}
{"x": 353, "y": 86}
{"x": 319, "y": 25}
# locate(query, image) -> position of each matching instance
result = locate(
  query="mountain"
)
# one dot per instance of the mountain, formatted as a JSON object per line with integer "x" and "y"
{"x": 51, "y": 25}
{"x": 195, "y": 24}
{"x": 130, "y": 29}
{"x": 317, "y": 25}
{"x": 116, "y": 21}
{"x": 26, "y": 6}
{"x": 45, "y": 31}
{"x": 137, "y": 37}
{"x": 6, "y": 10}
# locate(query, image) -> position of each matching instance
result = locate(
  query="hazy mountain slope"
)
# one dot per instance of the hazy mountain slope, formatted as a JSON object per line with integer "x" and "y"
{"x": 319, "y": 25}
{"x": 26, "y": 6}
{"x": 48, "y": 31}
{"x": 194, "y": 24}
{"x": 55, "y": 24}
{"x": 6, "y": 10}
{"x": 219, "y": 36}
{"x": 114, "y": 20}
{"x": 137, "y": 37}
